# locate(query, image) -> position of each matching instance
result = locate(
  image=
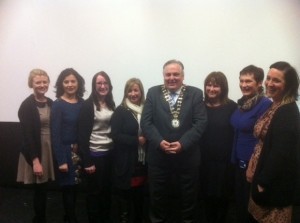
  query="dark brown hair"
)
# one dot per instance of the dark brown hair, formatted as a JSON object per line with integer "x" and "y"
{"x": 291, "y": 78}
{"x": 109, "y": 99}
{"x": 218, "y": 78}
{"x": 59, "y": 82}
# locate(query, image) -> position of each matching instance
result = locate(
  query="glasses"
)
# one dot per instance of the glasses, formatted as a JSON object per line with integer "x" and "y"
{"x": 102, "y": 83}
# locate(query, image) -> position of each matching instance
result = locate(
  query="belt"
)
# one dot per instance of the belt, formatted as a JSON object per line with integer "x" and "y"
{"x": 242, "y": 164}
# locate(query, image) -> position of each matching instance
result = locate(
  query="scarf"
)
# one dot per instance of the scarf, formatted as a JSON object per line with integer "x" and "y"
{"x": 260, "y": 131}
{"x": 245, "y": 104}
{"x": 136, "y": 110}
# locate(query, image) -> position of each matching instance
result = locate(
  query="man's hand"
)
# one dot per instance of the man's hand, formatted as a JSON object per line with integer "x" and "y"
{"x": 175, "y": 147}
{"x": 170, "y": 148}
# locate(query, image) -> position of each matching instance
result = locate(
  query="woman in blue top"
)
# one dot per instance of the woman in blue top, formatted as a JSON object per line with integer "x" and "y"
{"x": 250, "y": 107}
{"x": 64, "y": 121}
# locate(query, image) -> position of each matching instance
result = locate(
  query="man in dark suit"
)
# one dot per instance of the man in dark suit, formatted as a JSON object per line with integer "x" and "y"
{"x": 173, "y": 120}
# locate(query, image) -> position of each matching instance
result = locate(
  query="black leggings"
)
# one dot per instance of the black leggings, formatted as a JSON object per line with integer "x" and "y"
{"x": 69, "y": 201}
{"x": 40, "y": 202}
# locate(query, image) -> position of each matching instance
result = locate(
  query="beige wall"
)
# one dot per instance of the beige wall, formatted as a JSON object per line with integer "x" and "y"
{"x": 129, "y": 38}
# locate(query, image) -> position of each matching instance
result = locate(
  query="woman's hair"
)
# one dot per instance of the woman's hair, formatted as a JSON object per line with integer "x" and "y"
{"x": 291, "y": 78}
{"x": 220, "y": 79}
{"x": 129, "y": 85}
{"x": 59, "y": 82}
{"x": 257, "y": 72}
{"x": 109, "y": 99}
{"x": 36, "y": 72}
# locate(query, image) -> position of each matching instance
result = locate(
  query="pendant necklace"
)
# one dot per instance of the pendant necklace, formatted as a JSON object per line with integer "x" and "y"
{"x": 174, "y": 112}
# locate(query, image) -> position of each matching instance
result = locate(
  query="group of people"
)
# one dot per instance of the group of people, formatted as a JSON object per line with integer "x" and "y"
{"x": 77, "y": 137}
{"x": 207, "y": 144}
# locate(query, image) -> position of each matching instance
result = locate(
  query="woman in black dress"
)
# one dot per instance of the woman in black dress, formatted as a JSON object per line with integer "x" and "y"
{"x": 216, "y": 178}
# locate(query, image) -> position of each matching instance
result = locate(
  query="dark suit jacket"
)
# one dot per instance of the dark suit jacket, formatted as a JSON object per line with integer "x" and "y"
{"x": 156, "y": 126}
{"x": 31, "y": 128}
{"x": 276, "y": 169}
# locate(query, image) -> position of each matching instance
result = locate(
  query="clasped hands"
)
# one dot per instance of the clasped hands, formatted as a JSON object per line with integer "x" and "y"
{"x": 170, "y": 147}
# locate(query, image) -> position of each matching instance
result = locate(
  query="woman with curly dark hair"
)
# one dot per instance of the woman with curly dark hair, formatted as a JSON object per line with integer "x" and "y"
{"x": 64, "y": 127}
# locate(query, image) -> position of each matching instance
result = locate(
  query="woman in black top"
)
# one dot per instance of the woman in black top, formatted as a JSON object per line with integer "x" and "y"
{"x": 129, "y": 169}
{"x": 273, "y": 166}
{"x": 217, "y": 172}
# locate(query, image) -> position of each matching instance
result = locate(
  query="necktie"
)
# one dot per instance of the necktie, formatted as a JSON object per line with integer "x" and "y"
{"x": 173, "y": 98}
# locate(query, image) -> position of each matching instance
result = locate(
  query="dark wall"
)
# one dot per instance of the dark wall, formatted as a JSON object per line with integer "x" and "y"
{"x": 10, "y": 146}
{"x": 10, "y": 143}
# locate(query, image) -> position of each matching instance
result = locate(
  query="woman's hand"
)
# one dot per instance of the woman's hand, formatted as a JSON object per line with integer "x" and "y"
{"x": 260, "y": 188}
{"x": 37, "y": 167}
{"x": 63, "y": 168}
{"x": 142, "y": 140}
{"x": 91, "y": 169}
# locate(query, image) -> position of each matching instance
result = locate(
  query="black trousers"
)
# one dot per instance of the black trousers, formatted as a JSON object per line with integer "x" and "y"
{"x": 242, "y": 194}
{"x": 159, "y": 187}
{"x": 216, "y": 209}
{"x": 99, "y": 191}
{"x": 128, "y": 205}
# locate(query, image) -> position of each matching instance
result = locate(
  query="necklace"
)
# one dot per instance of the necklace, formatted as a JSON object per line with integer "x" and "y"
{"x": 69, "y": 99}
{"x": 40, "y": 98}
{"x": 213, "y": 105}
{"x": 174, "y": 112}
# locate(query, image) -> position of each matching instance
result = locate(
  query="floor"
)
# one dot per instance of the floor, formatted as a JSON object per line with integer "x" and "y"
{"x": 16, "y": 207}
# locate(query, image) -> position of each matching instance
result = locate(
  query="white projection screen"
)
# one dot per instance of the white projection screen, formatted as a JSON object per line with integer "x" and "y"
{"x": 133, "y": 38}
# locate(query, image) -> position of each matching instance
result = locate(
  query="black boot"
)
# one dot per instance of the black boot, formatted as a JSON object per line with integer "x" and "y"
{"x": 68, "y": 219}
{"x": 124, "y": 217}
{"x": 38, "y": 219}
{"x": 124, "y": 209}
{"x": 93, "y": 208}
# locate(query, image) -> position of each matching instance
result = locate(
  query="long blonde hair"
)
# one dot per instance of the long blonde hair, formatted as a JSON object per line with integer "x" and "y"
{"x": 128, "y": 85}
